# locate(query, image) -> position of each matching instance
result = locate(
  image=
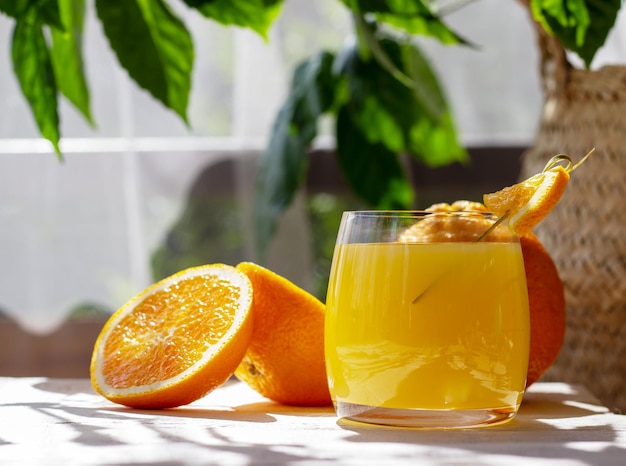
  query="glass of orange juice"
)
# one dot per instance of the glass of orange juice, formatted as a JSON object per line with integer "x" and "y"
{"x": 427, "y": 320}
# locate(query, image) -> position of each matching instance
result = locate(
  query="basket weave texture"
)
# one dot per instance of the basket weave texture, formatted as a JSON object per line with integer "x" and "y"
{"x": 586, "y": 232}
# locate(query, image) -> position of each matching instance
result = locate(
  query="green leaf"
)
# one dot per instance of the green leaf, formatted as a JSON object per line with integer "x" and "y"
{"x": 436, "y": 145}
{"x": 257, "y": 15}
{"x": 380, "y": 125}
{"x": 67, "y": 56}
{"x": 389, "y": 56}
{"x": 390, "y": 113}
{"x": 49, "y": 13}
{"x": 373, "y": 171}
{"x": 414, "y": 17}
{"x": 582, "y": 26}
{"x": 429, "y": 26}
{"x": 368, "y": 78}
{"x": 16, "y": 8}
{"x": 33, "y": 68}
{"x": 153, "y": 45}
{"x": 434, "y": 142}
{"x": 283, "y": 165}
{"x": 47, "y": 10}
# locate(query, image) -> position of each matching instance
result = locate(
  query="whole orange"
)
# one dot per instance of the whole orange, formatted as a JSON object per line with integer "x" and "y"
{"x": 547, "y": 307}
{"x": 285, "y": 359}
{"x": 545, "y": 289}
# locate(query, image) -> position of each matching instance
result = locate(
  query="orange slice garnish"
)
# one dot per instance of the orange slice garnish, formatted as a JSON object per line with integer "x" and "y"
{"x": 175, "y": 341}
{"x": 528, "y": 202}
{"x": 285, "y": 359}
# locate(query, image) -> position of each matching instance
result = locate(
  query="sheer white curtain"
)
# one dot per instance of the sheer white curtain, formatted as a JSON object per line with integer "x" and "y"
{"x": 83, "y": 231}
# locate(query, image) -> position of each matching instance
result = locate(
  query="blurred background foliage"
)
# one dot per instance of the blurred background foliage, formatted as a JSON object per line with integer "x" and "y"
{"x": 379, "y": 89}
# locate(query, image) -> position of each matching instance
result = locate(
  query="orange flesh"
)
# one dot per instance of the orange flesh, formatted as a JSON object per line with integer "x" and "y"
{"x": 524, "y": 211}
{"x": 144, "y": 348}
{"x": 519, "y": 195}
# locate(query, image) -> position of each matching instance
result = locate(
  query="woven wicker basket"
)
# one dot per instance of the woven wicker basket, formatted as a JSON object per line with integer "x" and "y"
{"x": 586, "y": 232}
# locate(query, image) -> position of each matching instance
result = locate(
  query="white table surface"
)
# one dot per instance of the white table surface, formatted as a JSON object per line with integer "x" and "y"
{"x": 53, "y": 421}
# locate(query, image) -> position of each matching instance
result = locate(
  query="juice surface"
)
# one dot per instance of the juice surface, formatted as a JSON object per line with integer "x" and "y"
{"x": 428, "y": 326}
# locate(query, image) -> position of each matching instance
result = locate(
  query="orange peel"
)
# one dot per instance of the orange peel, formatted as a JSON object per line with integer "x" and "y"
{"x": 527, "y": 203}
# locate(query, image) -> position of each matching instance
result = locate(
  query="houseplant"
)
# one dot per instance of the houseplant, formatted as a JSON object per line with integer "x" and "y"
{"x": 150, "y": 41}
{"x": 381, "y": 89}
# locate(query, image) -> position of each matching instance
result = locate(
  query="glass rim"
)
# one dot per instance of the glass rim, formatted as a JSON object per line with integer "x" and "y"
{"x": 416, "y": 212}
{"x": 423, "y": 226}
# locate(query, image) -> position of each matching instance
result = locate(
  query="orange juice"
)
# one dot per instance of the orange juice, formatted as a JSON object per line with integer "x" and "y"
{"x": 440, "y": 326}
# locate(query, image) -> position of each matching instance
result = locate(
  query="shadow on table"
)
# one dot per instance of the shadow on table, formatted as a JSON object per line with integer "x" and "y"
{"x": 261, "y": 411}
{"x": 215, "y": 431}
{"x": 530, "y": 435}
{"x": 210, "y": 434}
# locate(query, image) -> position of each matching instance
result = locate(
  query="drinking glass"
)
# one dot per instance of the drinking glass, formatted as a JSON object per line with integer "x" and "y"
{"x": 427, "y": 320}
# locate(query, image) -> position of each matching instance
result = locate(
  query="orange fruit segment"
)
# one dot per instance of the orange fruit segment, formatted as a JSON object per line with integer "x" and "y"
{"x": 285, "y": 359}
{"x": 175, "y": 341}
{"x": 528, "y": 202}
{"x": 449, "y": 224}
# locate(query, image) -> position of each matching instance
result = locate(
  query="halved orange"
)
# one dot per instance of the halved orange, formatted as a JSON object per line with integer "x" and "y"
{"x": 285, "y": 359}
{"x": 175, "y": 341}
{"x": 528, "y": 202}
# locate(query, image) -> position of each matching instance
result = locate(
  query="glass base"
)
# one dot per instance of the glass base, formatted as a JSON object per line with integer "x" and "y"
{"x": 425, "y": 418}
